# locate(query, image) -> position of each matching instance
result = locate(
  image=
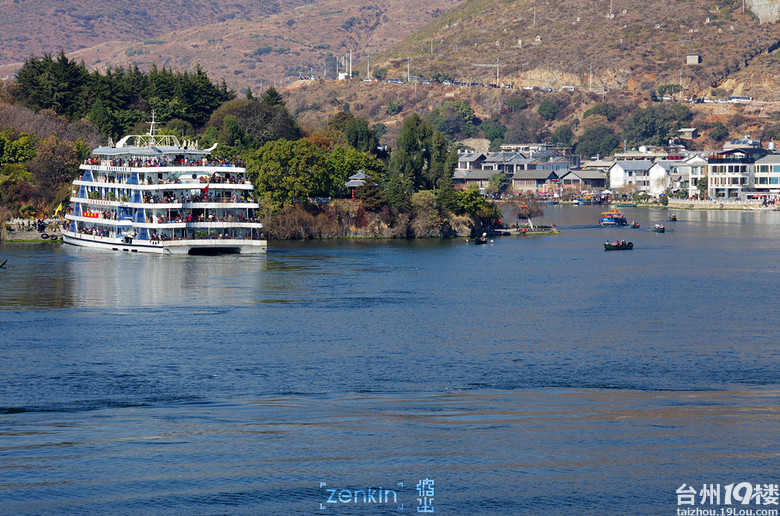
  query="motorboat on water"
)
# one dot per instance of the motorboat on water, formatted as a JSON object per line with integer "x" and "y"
{"x": 612, "y": 217}
{"x": 154, "y": 194}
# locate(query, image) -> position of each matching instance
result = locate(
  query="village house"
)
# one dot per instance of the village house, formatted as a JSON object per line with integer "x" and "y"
{"x": 688, "y": 133}
{"x": 468, "y": 161}
{"x": 598, "y": 164}
{"x": 692, "y": 169}
{"x": 463, "y": 179}
{"x": 507, "y": 162}
{"x": 581, "y": 180}
{"x": 631, "y": 175}
{"x": 533, "y": 181}
{"x": 528, "y": 149}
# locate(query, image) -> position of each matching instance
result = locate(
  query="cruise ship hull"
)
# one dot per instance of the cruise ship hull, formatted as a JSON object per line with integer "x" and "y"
{"x": 191, "y": 247}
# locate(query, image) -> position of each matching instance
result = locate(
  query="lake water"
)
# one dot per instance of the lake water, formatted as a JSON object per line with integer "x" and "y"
{"x": 537, "y": 375}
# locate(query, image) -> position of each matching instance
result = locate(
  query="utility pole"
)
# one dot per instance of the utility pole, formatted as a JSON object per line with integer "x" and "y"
{"x": 590, "y": 79}
{"x": 681, "y": 88}
{"x": 408, "y": 77}
{"x": 350, "y": 63}
{"x": 368, "y": 66}
{"x": 498, "y": 64}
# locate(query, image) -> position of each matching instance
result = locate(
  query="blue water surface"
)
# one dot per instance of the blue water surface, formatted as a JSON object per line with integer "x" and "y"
{"x": 532, "y": 375}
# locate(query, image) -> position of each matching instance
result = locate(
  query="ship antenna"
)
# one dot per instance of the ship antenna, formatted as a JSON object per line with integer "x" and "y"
{"x": 151, "y": 126}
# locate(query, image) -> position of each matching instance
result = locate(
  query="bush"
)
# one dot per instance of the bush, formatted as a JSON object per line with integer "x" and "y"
{"x": 548, "y": 110}
{"x": 394, "y": 107}
{"x": 718, "y": 131}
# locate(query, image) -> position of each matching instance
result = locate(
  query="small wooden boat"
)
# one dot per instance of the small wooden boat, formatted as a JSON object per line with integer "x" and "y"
{"x": 618, "y": 246}
{"x": 634, "y": 225}
{"x": 626, "y": 205}
{"x": 673, "y": 217}
{"x": 658, "y": 228}
{"x": 481, "y": 239}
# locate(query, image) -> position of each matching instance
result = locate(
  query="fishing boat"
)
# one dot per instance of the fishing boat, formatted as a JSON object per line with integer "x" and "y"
{"x": 658, "y": 228}
{"x": 618, "y": 246}
{"x": 612, "y": 217}
{"x": 634, "y": 225}
{"x": 154, "y": 194}
{"x": 673, "y": 217}
{"x": 481, "y": 239}
{"x": 626, "y": 205}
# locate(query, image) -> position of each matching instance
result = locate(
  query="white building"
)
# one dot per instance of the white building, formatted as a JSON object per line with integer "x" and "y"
{"x": 693, "y": 169}
{"x": 631, "y": 174}
{"x": 767, "y": 177}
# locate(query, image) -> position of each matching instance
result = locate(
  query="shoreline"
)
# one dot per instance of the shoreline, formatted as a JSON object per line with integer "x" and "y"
{"x": 684, "y": 204}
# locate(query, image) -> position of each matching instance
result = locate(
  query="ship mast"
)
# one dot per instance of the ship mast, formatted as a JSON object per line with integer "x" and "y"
{"x": 151, "y": 126}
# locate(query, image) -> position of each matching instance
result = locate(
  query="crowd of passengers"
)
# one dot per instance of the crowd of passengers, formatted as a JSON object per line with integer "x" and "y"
{"x": 102, "y": 232}
{"x": 238, "y": 217}
{"x": 215, "y": 178}
{"x": 166, "y": 162}
{"x": 203, "y": 197}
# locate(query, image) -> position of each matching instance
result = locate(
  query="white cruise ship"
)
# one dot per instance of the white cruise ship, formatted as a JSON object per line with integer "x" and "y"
{"x": 152, "y": 194}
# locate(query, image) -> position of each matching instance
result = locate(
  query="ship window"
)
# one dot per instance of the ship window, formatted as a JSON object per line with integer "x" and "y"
{"x": 194, "y": 176}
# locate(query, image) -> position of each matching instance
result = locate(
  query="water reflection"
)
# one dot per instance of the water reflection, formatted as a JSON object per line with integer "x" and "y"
{"x": 62, "y": 276}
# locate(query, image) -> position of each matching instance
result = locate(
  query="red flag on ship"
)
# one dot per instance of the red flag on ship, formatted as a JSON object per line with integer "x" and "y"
{"x": 206, "y": 190}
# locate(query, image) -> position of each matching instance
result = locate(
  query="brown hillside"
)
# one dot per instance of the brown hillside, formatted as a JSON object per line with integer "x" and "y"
{"x": 33, "y": 27}
{"x": 257, "y": 51}
{"x": 558, "y": 43}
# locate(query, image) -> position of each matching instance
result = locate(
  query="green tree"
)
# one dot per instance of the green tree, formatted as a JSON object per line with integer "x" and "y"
{"x": 380, "y": 74}
{"x": 669, "y": 89}
{"x": 718, "y": 131}
{"x": 372, "y": 196}
{"x": 103, "y": 119}
{"x": 562, "y": 135}
{"x": 284, "y": 172}
{"x": 455, "y": 119}
{"x": 343, "y": 162}
{"x": 498, "y": 183}
{"x": 701, "y": 185}
{"x": 259, "y": 122}
{"x": 655, "y": 125}
{"x": 17, "y": 149}
{"x": 525, "y": 126}
{"x": 272, "y": 97}
{"x": 494, "y": 131}
{"x": 608, "y": 111}
{"x": 360, "y": 136}
{"x": 547, "y": 109}
{"x": 399, "y": 191}
{"x": 55, "y": 163}
{"x": 599, "y": 140}
{"x": 516, "y": 104}
{"x": 471, "y": 201}
{"x": 394, "y": 107}
{"x": 422, "y": 157}
{"x": 447, "y": 197}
